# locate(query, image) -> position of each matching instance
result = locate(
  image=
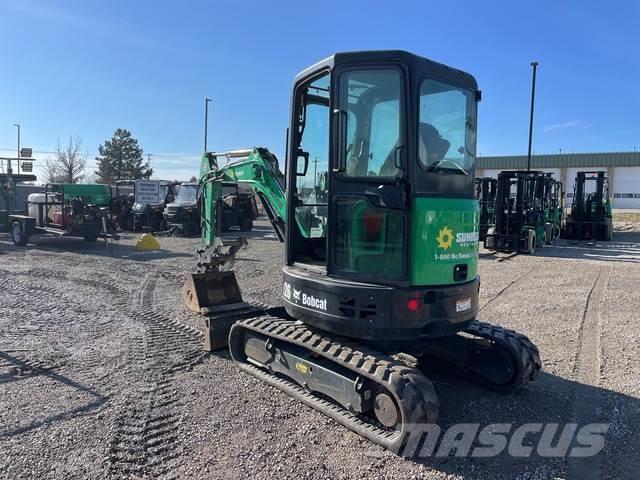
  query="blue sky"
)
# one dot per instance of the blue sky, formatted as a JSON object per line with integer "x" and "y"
{"x": 89, "y": 67}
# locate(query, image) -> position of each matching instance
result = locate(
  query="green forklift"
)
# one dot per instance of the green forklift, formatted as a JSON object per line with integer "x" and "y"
{"x": 381, "y": 251}
{"x": 486, "y": 194}
{"x": 590, "y": 217}
{"x": 521, "y": 223}
{"x": 553, "y": 207}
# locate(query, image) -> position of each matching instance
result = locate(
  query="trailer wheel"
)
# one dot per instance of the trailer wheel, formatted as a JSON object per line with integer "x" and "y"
{"x": 18, "y": 235}
{"x": 531, "y": 242}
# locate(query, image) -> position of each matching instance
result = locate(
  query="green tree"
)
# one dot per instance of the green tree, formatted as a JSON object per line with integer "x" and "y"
{"x": 121, "y": 159}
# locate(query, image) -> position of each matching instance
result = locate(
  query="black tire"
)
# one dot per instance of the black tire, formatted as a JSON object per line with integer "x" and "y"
{"x": 548, "y": 234}
{"x": 20, "y": 239}
{"x": 125, "y": 222}
{"x": 531, "y": 242}
{"x": 608, "y": 230}
{"x": 246, "y": 225}
{"x": 489, "y": 240}
{"x": 91, "y": 237}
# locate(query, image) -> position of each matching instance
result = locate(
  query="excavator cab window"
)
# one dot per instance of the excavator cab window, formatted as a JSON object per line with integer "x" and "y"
{"x": 373, "y": 122}
{"x": 446, "y": 139}
{"x": 312, "y": 157}
{"x": 310, "y": 164}
{"x": 370, "y": 213}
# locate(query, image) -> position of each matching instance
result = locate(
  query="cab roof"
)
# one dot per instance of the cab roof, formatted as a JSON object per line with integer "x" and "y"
{"x": 418, "y": 65}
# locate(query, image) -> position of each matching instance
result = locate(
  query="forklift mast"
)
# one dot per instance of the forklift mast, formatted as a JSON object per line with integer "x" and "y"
{"x": 486, "y": 194}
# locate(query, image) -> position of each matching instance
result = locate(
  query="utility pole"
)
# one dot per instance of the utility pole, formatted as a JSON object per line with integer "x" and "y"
{"x": 206, "y": 121}
{"x": 16, "y": 125}
{"x": 533, "y": 97}
{"x": 315, "y": 175}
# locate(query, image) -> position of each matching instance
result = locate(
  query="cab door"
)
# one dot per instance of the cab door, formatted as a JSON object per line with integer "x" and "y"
{"x": 368, "y": 218}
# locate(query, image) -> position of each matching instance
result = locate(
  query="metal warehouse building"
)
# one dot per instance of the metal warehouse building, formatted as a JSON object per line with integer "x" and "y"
{"x": 623, "y": 170}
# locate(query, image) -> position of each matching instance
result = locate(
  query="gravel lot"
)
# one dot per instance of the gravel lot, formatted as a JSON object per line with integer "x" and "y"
{"x": 102, "y": 373}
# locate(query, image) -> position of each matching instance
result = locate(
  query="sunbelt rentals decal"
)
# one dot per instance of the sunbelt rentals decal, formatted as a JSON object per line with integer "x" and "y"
{"x": 293, "y": 295}
{"x": 445, "y": 240}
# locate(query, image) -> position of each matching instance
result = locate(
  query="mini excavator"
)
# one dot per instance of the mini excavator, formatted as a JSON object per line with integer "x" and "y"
{"x": 380, "y": 228}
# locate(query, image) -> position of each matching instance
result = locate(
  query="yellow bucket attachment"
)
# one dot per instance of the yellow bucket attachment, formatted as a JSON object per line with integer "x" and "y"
{"x": 211, "y": 291}
{"x": 147, "y": 243}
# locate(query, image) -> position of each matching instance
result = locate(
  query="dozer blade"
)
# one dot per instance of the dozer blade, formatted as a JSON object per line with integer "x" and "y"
{"x": 211, "y": 291}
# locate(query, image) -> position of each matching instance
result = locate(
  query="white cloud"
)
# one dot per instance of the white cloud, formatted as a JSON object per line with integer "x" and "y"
{"x": 561, "y": 126}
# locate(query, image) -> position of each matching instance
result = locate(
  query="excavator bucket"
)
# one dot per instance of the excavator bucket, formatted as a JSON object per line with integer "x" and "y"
{"x": 211, "y": 291}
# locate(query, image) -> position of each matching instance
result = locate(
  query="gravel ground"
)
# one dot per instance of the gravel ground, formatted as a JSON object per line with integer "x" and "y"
{"x": 102, "y": 373}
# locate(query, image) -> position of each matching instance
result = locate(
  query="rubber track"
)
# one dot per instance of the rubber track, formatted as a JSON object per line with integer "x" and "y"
{"x": 413, "y": 392}
{"x": 523, "y": 352}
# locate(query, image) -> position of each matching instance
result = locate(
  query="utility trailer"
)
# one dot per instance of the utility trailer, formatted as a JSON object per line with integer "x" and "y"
{"x": 520, "y": 224}
{"x": 590, "y": 217}
{"x": 7, "y": 192}
{"x": 61, "y": 210}
{"x": 486, "y": 195}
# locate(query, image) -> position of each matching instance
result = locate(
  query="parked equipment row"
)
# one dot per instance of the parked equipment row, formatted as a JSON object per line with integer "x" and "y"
{"x": 521, "y": 211}
{"x": 93, "y": 211}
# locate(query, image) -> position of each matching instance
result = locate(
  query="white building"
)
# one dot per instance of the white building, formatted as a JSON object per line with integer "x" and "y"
{"x": 623, "y": 171}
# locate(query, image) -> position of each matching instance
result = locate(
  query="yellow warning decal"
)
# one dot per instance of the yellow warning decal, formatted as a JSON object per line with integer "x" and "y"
{"x": 302, "y": 368}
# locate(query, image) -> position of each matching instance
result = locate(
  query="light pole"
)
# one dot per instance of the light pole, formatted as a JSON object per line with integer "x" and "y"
{"x": 17, "y": 125}
{"x": 533, "y": 97}
{"x": 206, "y": 121}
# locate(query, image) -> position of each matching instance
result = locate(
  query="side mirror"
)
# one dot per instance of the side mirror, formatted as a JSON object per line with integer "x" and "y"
{"x": 304, "y": 156}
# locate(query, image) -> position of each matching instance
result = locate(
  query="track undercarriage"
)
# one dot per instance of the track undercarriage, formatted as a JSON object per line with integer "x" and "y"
{"x": 360, "y": 384}
{"x": 369, "y": 391}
